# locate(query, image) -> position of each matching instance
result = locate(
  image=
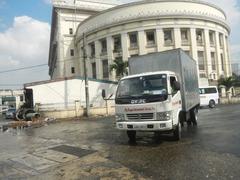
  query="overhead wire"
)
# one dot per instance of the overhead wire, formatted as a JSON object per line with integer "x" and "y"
{"x": 23, "y": 68}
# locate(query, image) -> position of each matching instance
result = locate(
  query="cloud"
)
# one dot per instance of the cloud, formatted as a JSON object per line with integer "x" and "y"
{"x": 48, "y": 1}
{"x": 25, "y": 43}
{"x": 231, "y": 8}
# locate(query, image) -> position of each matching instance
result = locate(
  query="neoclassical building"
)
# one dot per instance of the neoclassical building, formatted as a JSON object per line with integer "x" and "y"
{"x": 139, "y": 28}
{"x": 66, "y": 16}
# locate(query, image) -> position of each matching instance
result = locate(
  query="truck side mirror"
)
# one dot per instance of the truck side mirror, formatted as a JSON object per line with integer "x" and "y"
{"x": 103, "y": 93}
{"x": 176, "y": 85}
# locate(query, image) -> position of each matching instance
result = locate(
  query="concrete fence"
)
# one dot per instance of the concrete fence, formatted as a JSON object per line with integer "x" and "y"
{"x": 75, "y": 109}
{"x": 230, "y": 100}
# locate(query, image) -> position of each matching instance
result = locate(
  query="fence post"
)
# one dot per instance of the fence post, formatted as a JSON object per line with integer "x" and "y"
{"x": 77, "y": 108}
{"x": 37, "y": 107}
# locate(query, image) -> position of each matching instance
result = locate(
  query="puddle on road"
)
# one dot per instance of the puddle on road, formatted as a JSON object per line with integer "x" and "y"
{"x": 18, "y": 126}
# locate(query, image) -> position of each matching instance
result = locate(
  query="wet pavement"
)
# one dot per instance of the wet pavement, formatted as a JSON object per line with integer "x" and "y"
{"x": 94, "y": 149}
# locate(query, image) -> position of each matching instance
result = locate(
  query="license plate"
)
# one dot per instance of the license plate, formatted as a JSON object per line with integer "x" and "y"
{"x": 139, "y": 126}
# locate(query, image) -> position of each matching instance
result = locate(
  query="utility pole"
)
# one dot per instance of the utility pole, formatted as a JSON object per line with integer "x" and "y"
{"x": 86, "y": 113}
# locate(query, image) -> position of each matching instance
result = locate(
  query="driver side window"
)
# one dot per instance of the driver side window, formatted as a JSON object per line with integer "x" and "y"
{"x": 173, "y": 90}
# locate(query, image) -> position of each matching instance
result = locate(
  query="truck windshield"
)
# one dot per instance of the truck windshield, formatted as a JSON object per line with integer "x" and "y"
{"x": 144, "y": 86}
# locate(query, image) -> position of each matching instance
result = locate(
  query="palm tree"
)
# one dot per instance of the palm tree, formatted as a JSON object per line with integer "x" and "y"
{"x": 120, "y": 67}
{"x": 228, "y": 82}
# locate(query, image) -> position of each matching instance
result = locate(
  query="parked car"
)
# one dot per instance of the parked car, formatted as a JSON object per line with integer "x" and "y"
{"x": 3, "y": 109}
{"x": 209, "y": 96}
{"x": 11, "y": 113}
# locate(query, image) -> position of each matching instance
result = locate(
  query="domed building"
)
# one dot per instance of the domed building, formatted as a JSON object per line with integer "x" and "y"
{"x": 143, "y": 27}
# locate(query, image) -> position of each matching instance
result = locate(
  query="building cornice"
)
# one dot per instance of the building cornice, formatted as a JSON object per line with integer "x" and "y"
{"x": 86, "y": 5}
{"x": 79, "y": 38}
{"x": 152, "y": 1}
{"x": 122, "y": 21}
{"x": 67, "y": 78}
{"x": 89, "y": 25}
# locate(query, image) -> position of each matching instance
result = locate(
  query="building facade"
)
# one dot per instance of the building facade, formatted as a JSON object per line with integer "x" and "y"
{"x": 139, "y": 28}
{"x": 63, "y": 55}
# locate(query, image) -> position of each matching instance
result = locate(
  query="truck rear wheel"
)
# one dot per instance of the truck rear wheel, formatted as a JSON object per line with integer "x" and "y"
{"x": 193, "y": 116}
{"x": 177, "y": 132}
{"x": 131, "y": 136}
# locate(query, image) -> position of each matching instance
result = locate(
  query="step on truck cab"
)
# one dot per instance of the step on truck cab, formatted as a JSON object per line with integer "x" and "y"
{"x": 159, "y": 95}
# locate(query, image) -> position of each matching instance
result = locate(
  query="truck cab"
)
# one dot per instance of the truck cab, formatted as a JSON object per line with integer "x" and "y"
{"x": 160, "y": 94}
{"x": 149, "y": 102}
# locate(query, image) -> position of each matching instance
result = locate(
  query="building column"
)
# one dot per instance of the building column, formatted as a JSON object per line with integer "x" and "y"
{"x": 226, "y": 57}
{"x": 194, "y": 48}
{"x": 110, "y": 49}
{"x": 229, "y": 56}
{"x": 207, "y": 62}
{"x": 177, "y": 38}
{"x": 125, "y": 45}
{"x": 218, "y": 55}
{"x": 76, "y": 61}
{"x": 193, "y": 44}
{"x": 98, "y": 59}
{"x": 160, "y": 39}
{"x": 142, "y": 45}
{"x": 112, "y": 75}
{"x": 80, "y": 51}
{"x": 61, "y": 59}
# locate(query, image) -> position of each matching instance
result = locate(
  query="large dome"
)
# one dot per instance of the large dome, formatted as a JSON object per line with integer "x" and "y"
{"x": 153, "y": 9}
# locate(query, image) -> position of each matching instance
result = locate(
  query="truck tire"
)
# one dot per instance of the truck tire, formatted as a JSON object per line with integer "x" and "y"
{"x": 131, "y": 136}
{"x": 157, "y": 135}
{"x": 189, "y": 122}
{"x": 177, "y": 132}
{"x": 193, "y": 116}
{"x": 212, "y": 104}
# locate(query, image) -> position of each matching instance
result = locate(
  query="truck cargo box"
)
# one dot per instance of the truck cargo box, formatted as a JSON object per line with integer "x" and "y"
{"x": 177, "y": 61}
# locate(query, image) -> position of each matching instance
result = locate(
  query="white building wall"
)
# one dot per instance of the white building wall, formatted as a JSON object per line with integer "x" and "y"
{"x": 65, "y": 93}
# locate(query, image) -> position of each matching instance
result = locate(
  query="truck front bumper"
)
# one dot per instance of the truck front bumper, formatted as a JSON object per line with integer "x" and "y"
{"x": 145, "y": 126}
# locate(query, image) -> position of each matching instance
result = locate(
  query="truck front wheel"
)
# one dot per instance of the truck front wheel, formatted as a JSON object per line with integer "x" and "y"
{"x": 177, "y": 132}
{"x": 131, "y": 136}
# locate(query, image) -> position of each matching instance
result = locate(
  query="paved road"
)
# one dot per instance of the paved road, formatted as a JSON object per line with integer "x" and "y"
{"x": 3, "y": 120}
{"x": 93, "y": 149}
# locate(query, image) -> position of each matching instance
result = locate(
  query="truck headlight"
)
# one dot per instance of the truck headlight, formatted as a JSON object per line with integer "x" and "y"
{"x": 119, "y": 117}
{"x": 164, "y": 116}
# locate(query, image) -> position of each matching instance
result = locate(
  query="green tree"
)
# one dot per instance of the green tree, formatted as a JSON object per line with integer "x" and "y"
{"x": 120, "y": 68}
{"x": 228, "y": 82}
{"x": 236, "y": 80}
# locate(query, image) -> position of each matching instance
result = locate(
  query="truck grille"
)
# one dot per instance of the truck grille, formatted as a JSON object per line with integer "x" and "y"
{"x": 143, "y": 116}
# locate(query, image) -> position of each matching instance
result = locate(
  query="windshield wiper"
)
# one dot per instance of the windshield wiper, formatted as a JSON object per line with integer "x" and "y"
{"x": 128, "y": 96}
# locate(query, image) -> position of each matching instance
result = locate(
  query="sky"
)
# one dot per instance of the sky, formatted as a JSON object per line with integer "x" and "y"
{"x": 25, "y": 34}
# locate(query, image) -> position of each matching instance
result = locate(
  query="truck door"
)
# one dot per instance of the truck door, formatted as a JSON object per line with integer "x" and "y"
{"x": 29, "y": 98}
{"x": 176, "y": 100}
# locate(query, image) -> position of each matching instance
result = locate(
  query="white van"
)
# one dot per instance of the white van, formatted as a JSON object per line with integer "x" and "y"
{"x": 209, "y": 96}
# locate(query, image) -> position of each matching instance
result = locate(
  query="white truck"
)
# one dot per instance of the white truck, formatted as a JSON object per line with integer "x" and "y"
{"x": 159, "y": 95}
